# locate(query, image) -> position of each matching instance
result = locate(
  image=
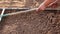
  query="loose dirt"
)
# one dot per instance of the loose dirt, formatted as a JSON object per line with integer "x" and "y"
{"x": 47, "y": 22}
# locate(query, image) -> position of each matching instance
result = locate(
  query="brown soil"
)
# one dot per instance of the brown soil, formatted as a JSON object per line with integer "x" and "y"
{"x": 47, "y": 22}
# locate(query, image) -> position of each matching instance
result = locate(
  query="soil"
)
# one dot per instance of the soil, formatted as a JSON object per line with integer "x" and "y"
{"x": 47, "y": 22}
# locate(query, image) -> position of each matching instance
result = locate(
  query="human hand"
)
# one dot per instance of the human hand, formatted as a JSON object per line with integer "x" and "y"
{"x": 41, "y": 8}
{"x": 55, "y": 5}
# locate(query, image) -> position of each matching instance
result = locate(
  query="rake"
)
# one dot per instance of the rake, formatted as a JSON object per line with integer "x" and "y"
{"x": 24, "y": 10}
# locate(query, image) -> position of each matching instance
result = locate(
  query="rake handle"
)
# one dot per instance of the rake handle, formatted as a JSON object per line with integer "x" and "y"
{"x": 27, "y": 11}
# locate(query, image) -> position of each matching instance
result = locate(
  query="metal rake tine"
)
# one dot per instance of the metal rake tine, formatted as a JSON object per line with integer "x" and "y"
{"x": 2, "y": 14}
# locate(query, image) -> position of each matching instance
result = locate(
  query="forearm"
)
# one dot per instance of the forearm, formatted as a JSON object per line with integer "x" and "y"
{"x": 47, "y": 2}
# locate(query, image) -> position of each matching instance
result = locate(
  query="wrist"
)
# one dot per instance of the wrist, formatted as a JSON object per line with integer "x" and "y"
{"x": 42, "y": 6}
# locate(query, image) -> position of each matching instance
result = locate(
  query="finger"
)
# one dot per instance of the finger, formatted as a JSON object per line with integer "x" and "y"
{"x": 54, "y": 5}
{"x": 38, "y": 10}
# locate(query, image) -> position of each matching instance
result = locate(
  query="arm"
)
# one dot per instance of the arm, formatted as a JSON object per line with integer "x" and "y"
{"x": 45, "y": 4}
{"x": 49, "y": 2}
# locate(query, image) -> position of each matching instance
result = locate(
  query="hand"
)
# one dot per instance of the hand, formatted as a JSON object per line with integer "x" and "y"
{"x": 55, "y": 5}
{"x": 41, "y": 8}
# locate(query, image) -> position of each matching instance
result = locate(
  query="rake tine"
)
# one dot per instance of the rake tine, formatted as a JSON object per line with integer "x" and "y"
{"x": 2, "y": 14}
